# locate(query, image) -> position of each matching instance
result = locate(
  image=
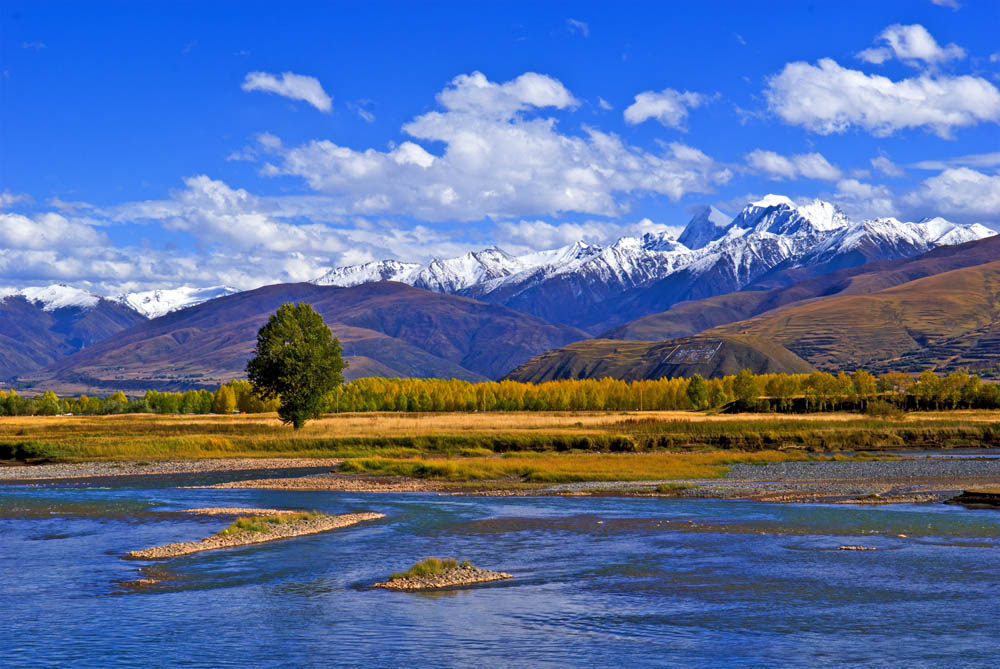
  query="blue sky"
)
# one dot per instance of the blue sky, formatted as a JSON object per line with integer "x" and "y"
{"x": 148, "y": 145}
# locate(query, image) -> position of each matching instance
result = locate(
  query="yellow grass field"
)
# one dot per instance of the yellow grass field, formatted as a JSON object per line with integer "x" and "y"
{"x": 151, "y": 436}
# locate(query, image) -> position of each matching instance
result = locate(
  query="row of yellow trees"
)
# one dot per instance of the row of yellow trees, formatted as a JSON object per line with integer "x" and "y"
{"x": 819, "y": 391}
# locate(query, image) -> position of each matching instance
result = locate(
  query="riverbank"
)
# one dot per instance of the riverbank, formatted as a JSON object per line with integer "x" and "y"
{"x": 310, "y": 524}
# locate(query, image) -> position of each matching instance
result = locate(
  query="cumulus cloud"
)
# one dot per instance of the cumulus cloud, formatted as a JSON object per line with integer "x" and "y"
{"x": 887, "y": 167}
{"x": 668, "y": 106}
{"x": 910, "y": 44}
{"x": 497, "y": 161}
{"x": 864, "y": 200}
{"x": 827, "y": 98}
{"x": 290, "y": 85}
{"x": 46, "y": 231}
{"x": 961, "y": 192}
{"x": 776, "y": 166}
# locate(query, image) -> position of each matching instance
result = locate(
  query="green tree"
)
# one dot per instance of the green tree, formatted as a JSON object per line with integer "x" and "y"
{"x": 298, "y": 361}
{"x": 697, "y": 392}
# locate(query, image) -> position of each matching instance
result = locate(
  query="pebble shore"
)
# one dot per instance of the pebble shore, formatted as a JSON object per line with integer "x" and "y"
{"x": 458, "y": 576}
{"x": 282, "y": 531}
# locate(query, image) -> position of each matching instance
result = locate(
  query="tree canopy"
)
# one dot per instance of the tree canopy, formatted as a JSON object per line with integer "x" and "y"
{"x": 298, "y": 361}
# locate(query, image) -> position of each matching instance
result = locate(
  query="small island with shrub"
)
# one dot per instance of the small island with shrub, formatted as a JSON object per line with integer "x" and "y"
{"x": 434, "y": 573}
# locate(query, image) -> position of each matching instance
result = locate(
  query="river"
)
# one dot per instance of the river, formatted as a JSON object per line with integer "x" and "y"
{"x": 599, "y": 581}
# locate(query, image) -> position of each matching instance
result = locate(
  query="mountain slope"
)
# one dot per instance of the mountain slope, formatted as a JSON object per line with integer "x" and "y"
{"x": 41, "y": 325}
{"x": 632, "y": 360}
{"x": 876, "y": 329}
{"x": 386, "y": 327}
{"x": 688, "y": 318}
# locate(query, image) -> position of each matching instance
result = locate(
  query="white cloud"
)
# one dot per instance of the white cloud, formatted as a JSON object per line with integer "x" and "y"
{"x": 995, "y": 57}
{"x": 827, "y": 98}
{"x": 575, "y": 26}
{"x": 864, "y": 200}
{"x": 290, "y": 85}
{"x": 540, "y": 235}
{"x": 808, "y": 165}
{"x": 668, "y": 106}
{"x": 497, "y": 162}
{"x": 960, "y": 192}
{"x": 911, "y": 44}
{"x": 46, "y": 231}
{"x": 604, "y": 104}
{"x": 475, "y": 94}
{"x": 971, "y": 160}
{"x": 34, "y": 46}
{"x": 887, "y": 167}
{"x": 951, "y": 4}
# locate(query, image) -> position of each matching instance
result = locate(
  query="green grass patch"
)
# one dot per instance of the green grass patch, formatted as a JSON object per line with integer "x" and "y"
{"x": 246, "y": 524}
{"x": 431, "y": 566}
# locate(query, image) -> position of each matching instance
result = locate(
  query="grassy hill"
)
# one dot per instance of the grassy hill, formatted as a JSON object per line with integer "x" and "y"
{"x": 631, "y": 360}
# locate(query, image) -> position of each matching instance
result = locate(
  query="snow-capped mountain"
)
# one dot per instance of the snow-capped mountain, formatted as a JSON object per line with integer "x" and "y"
{"x": 41, "y": 324}
{"x": 589, "y": 285}
{"x": 56, "y": 296}
{"x": 156, "y": 303}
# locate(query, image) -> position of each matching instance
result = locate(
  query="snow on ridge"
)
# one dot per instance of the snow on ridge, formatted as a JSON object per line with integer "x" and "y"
{"x": 55, "y": 296}
{"x": 765, "y": 234}
{"x": 156, "y": 303}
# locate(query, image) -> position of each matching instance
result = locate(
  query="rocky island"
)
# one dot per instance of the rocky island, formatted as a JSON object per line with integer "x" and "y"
{"x": 434, "y": 573}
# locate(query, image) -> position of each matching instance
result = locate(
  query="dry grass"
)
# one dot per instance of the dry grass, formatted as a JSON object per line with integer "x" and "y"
{"x": 149, "y": 436}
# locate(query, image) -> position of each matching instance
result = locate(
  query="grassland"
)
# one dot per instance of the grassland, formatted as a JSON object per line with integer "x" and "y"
{"x": 518, "y": 449}
{"x": 147, "y": 436}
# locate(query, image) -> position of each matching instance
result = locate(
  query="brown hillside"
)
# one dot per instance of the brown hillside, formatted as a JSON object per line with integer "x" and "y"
{"x": 688, "y": 318}
{"x": 848, "y": 331}
{"x": 387, "y": 327}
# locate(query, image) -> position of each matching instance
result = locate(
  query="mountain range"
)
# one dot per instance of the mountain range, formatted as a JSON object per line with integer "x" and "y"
{"x": 772, "y": 241}
{"x": 940, "y": 310}
{"x": 484, "y": 313}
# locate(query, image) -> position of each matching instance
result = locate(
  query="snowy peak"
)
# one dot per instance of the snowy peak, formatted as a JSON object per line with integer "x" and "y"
{"x": 705, "y": 227}
{"x": 156, "y": 303}
{"x": 778, "y": 215}
{"x": 56, "y": 296}
{"x": 382, "y": 270}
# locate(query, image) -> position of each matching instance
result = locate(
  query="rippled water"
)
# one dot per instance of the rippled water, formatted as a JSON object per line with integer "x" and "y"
{"x": 598, "y": 582}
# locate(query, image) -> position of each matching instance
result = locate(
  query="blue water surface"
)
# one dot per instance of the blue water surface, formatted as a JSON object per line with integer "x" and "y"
{"x": 599, "y": 581}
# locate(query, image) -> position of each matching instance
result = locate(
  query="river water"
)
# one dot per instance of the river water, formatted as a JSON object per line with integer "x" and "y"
{"x": 598, "y": 582}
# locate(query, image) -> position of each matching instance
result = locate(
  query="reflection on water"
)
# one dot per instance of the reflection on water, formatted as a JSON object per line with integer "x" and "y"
{"x": 598, "y": 581}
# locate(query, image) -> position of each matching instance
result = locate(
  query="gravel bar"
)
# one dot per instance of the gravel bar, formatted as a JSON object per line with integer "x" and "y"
{"x": 282, "y": 531}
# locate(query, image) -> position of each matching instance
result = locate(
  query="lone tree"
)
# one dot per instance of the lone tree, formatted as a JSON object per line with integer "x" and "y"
{"x": 296, "y": 360}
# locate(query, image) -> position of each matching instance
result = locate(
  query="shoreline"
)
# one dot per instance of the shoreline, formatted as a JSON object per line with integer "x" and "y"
{"x": 917, "y": 480}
